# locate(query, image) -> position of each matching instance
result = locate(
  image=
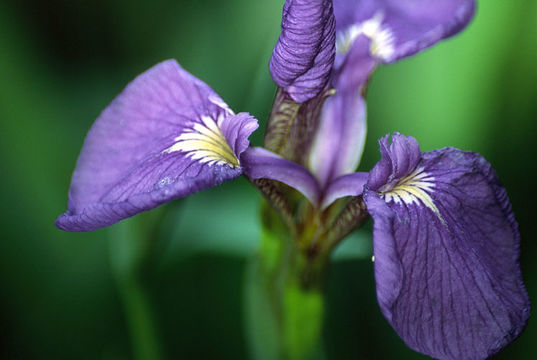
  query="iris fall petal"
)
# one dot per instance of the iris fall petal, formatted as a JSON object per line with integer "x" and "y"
{"x": 446, "y": 249}
{"x": 166, "y": 136}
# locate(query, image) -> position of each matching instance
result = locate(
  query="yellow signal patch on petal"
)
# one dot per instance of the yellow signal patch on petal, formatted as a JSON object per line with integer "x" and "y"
{"x": 205, "y": 143}
{"x": 414, "y": 189}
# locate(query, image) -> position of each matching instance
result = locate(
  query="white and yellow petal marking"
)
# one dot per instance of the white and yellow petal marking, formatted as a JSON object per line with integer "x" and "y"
{"x": 382, "y": 38}
{"x": 221, "y": 104}
{"x": 205, "y": 143}
{"x": 346, "y": 38}
{"x": 414, "y": 189}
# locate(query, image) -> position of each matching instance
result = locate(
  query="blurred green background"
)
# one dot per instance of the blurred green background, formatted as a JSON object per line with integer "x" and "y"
{"x": 70, "y": 296}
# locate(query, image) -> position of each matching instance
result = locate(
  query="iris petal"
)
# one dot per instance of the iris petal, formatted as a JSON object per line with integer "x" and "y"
{"x": 340, "y": 139}
{"x": 397, "y": 29}
{"x": 260, "y": 163}
{"x": 446, "y": 248}
{"x": 346, "y": 185}
{"x": 166, "y": 136}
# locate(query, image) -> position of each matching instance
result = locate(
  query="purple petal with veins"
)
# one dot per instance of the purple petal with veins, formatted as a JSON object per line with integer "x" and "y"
{"x": 339, "y": 141}
{"x": 446, "y": 251}
{"x": 396, "y": 29}
{"x": 166, "y": 136}
{"x": 353, "y": 70}
{"x": 346, "y": 185}
{"x": 260, "y": 163}
{"x": 303, "y": 57}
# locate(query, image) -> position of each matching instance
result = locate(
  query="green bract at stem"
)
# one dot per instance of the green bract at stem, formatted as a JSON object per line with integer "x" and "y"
{"x": 291, "y": 126}
{"x": 285, "y": 282}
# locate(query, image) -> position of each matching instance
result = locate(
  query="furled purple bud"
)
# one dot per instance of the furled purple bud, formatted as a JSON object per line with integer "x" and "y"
{"x": 303, "y": 57}
{"x": 446, "y": 251}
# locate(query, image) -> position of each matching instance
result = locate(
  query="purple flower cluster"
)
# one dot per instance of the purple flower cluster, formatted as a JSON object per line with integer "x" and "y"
{"x": 445, "y": 241}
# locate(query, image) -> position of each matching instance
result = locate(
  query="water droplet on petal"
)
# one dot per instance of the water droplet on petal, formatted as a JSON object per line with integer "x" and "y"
{"x": 163, "y": 182}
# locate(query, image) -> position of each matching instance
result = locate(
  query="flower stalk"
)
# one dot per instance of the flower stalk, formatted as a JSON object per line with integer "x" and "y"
{"x": 132, "y": 248}
{"x": 290, "y": 282}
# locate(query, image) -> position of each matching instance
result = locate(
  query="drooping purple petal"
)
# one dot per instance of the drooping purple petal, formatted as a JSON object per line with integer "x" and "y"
{"x": 396, "y": 28}
{"x": 167, "y": 135}
{"x": 339, "y": 141}
{"x": 303, "y": 57}
{"x": 346, "y": 185}
{"x": 259, "y": 163}
{"x": 446, "y": 249}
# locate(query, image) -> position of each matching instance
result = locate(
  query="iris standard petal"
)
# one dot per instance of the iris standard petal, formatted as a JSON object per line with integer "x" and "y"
{"x": 352, "y": 71}
{"x": 260, "y": 163}
{"x": 396, "y": 28}
{"x": 167, "y": 135}
{"x": 446, "y": 250}
{"x": 303, "y": 57}
{"x": 339, "y": 141}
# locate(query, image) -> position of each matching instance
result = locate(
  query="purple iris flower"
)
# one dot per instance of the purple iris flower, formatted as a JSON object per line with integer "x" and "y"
{"x": 166, "y": 136}
{"x": 445, "y": 241}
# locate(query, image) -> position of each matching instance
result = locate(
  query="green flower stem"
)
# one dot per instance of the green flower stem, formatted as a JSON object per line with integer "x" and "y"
{"x": 131, "y": 251}
{"x": 140, "y": 320}
{"x": 284, "y": 296}
{"x": 303, "y": 310}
